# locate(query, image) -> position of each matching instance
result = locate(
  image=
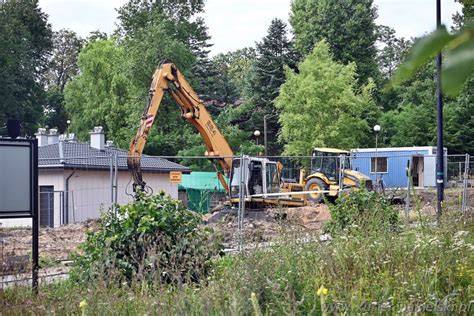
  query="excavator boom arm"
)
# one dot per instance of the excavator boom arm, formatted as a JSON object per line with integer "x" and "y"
{"x": 167, "y": 77}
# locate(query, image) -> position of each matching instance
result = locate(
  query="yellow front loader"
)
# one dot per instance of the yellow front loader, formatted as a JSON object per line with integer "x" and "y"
{"x": 331, "y": 169}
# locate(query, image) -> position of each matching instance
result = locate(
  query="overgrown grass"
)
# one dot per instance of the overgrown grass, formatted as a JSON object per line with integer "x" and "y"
{"x": 422, "y": 267}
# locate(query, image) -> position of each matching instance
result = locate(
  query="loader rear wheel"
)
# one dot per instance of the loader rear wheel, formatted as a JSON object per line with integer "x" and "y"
{"x": 315, "y": 185}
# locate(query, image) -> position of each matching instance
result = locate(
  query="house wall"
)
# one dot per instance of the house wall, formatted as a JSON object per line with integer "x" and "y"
{"x": 45, "y": 177}
{"x": 90, "y": 191}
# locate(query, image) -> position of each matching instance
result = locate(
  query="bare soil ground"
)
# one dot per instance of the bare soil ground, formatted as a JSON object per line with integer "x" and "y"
{"x": 258, "y": 226}
{"x": 267, "y": 225}
{"x": 57, "y": 243}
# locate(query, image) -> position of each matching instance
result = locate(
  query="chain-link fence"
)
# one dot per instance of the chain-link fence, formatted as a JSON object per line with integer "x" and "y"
{"x": 266, "y": 197}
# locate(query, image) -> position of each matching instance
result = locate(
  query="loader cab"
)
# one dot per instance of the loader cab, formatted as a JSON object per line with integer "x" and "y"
{"x": 259, "y": 176}
{"x": 327, "y": 162}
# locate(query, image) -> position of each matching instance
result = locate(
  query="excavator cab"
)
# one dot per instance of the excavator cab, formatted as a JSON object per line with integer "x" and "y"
{"x": 261, "y": 181}
{"x": 258, "y": 176}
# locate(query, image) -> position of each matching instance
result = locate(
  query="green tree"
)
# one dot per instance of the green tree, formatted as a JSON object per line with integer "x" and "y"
{"x": 467, "y": 12}
{"x": 320, "y": 106}
{"x": 459, "y": 121}
{"x": 113, "y": 85}
{"x": 118, "y": 72}
{"x": 55, "y": 111}
{"x": 25, "y": 42}
{"x": 348, "y": 26}
{"x": 62, "y": 67}
{"x": 63, "y": 64}
{"x": 391, "y": 52}
{"x": 237, "y": 65}
{"x": 265, "y": 77}
{"x": 412, "y": 120}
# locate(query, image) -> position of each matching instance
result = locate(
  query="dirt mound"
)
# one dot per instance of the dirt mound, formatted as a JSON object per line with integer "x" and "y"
{"x": 267, "y": 225}
{"x": 309, "y": 217}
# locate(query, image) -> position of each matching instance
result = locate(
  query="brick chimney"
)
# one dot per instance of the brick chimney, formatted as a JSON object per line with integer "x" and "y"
{"x": 98, "y": 138}
{"x": 42, "y": 137}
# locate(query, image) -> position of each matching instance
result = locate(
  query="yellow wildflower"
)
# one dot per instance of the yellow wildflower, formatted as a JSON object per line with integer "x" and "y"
{"x": 83, "y": 304}
{"x": 322, "y": 291}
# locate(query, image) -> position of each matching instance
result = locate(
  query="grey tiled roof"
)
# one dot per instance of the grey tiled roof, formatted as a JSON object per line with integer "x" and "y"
{"x": 78, "y": 155}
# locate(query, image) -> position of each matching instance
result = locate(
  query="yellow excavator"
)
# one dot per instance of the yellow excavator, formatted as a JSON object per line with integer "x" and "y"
{"x": 260, "y": 177}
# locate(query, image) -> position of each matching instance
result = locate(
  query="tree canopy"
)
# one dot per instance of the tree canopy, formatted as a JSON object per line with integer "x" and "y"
{"x": 347, "y": 26}
{"x": 310, "y": 96}
{"x": 320, "y": 105}
{"x": 265, "y": 77}
{"x": 25, "y": 43}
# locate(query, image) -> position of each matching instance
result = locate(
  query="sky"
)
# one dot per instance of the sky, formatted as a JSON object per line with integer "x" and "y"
{"x": 236, "y": 24}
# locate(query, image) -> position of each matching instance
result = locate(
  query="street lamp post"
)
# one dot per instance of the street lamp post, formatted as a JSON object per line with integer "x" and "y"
{"x": 265, "y": 133}
{"x": 256, "y": 134}
{"x": 376, "y": 130}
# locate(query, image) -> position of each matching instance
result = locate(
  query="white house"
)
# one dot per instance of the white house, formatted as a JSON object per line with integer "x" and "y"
{"x": 77, "y": 180}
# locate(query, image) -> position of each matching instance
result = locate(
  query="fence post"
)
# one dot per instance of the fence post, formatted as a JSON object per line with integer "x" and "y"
{"x": 241, "y": 210}
{"x": 407, "y": 199}
{"x": 465, "y": 184}
{"x": 1, "y": 261}
{"x": 115, "y": 178}
{"x": 341, "y": 173}
{"x": 111, "y": 174}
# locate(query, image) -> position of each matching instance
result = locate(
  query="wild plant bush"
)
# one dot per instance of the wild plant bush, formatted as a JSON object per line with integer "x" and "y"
{"x": 362, "y": 210}
{"x": 154, "y": 239}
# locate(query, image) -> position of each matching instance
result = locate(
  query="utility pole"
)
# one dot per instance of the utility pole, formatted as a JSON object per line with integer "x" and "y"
{"x": 265, "y": 133}
{"x": 439, "y": 143}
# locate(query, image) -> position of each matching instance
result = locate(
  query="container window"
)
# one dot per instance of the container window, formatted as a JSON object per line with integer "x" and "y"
{"x": 380, "y": 163}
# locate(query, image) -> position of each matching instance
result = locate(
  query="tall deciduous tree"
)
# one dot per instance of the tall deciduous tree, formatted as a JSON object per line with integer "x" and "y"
{"x": 63, "y": 64}
{"x": 413, "y": 121}
{"x": 459, "y": 121}
{"x": 320, "y": 106}
{"x": 348, "y": 26}
{"x": 112, "y": 88}
{"x": 237, "y": 65}
{"x": 412, "y": 118}
{"x": 392, "y": 50}
{"x": 25, "y": 42}
{"x": 62, "y": 67}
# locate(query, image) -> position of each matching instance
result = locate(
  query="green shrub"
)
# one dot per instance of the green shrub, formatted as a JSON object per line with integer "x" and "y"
{"x": 415, "y": 270}
{"x": 153, "y": 239}
{"x": 362, "y": 210}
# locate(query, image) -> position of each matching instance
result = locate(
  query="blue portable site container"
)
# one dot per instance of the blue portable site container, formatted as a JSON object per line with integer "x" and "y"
{"x": 390, "y": 164}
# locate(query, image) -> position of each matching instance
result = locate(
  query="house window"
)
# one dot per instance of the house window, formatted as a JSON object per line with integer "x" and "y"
{"x": 381, "y": 164}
